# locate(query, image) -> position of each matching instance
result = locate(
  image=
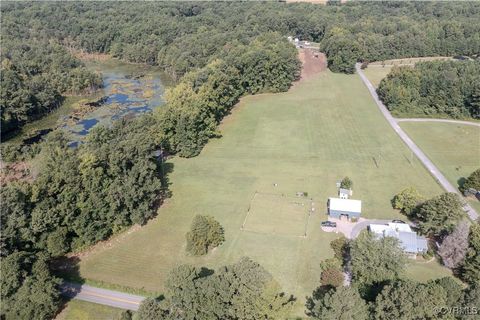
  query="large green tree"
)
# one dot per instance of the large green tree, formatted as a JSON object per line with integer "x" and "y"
{"x": 407, "y": 300}
{"x": 471, "y": 269}
{"x": 342, "y": 303}
{"x": 244, "y": 290}
{"x": 407, "y": 200}
{"x": 440, "y": 214}
{"x": 376, "y": 260}
{"x": 205, "y": 233}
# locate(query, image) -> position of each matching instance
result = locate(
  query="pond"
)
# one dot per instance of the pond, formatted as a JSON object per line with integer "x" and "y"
{"x": 129, "y": 90}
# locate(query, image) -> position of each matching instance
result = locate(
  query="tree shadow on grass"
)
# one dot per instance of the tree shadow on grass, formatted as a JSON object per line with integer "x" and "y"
{"x": 461, "y": 182}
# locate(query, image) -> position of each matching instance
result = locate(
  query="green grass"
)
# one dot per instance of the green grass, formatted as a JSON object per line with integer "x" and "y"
{"x": 453, "y": 148}
{"x": 376, "y": 74}
{"x": 277, "y": 214}
{"x": 81, "y": 310}
{"x": 303, "y": 140}
{"x": 424, "y": 271}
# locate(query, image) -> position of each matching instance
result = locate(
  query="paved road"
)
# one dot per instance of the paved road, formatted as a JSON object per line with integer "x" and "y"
{"x": 469, "y": 123}
{"x": 101, "y": 296}
{"x": 415, "y": 149}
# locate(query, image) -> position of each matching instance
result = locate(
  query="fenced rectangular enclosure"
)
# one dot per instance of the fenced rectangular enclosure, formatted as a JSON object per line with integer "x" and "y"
{"x": 278, "y": 214}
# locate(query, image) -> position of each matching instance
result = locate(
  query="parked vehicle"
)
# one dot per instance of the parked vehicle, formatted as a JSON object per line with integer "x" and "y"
{"x": 330, "y": 224}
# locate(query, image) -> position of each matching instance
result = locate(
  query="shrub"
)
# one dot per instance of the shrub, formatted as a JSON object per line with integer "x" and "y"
{"x": 346, "y": 183}
{"x": 407, "y": 200}
{"x": 205, "y": 233}
{"x": 339, "y": 247}
{"x": 332, "y": 277}
{"x": 473, "y": 181}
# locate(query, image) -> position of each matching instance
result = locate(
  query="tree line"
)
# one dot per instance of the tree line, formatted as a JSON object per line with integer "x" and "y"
{"x": 183, "y": 36}
{"x": 79, "y": 197}
{"x": 434, "y": 89}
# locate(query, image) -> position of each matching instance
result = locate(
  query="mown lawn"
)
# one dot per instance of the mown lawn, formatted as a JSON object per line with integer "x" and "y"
{"x": 375, "y": 74}
{"x": 454, "y": 148}
{"x": 423, "y": 271}
{"x": 303, "y": 140}
{"x": 81, "y": 310}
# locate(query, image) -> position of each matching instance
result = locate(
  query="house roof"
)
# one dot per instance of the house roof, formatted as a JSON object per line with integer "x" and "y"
{"x": 389, "y": 228}
{"x": 409, "y": 241}
{"x": 347, "y": 205}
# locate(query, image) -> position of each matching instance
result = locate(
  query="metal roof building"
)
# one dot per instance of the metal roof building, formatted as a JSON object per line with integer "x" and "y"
{"x": 346, "y": 207}
{"x": 409, "y": 240}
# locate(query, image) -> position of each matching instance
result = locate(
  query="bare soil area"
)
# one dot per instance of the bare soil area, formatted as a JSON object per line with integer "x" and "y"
{"x": 10, "y": 172}
{"x": 313, "y": 62}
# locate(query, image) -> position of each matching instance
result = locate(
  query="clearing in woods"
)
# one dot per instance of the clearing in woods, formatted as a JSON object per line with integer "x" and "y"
{"x": 305, "y": 140}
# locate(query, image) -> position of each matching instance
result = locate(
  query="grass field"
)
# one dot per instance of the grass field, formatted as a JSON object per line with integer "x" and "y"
{"x": 424, "y": 271}
{"x": 278, "y": 214}
{"x": 376, "y": 74}
{"x": 304, "y": 140}
{"x": 81, "y": 310}
{"x": 453, "y": 148}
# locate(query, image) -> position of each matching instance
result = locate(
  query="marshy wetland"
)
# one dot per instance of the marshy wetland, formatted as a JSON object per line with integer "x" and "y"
{"x": 128, "y": 90}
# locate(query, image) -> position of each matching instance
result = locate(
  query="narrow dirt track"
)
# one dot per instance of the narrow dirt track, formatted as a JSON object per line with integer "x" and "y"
{"x": 313, "y": 62}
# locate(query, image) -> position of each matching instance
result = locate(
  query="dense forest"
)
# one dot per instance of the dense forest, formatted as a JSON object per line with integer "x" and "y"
{"x": 182, "y": 37}
{"x": 441, "y": 89}
{"x": 216, "y": 51}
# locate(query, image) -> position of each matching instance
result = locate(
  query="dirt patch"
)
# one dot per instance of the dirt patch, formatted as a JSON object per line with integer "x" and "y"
{"x": 16, "y": 171}
{"x": 88, "y": 56}
{"x": 313, "y": 62}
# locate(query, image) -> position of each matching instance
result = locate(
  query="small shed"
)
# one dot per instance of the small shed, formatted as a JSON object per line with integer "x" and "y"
{"x": 344, "y": 193}
{"x": 344, "y": 207}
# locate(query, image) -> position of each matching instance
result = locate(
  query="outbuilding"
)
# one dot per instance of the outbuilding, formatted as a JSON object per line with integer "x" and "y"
{"x": 344, "y": 207}
{"x": 344, "y": 193}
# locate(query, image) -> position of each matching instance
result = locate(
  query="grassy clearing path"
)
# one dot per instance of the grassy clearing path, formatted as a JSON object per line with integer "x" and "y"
{"x": 304, "y": 140}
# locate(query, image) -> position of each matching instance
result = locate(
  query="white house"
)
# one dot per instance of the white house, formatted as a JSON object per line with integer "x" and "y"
{"x": 409, "y": 240}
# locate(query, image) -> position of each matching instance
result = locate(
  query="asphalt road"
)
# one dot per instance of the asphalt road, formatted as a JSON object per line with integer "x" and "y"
{"x": 415, "y": 149}
{"x": 101, "y": 296}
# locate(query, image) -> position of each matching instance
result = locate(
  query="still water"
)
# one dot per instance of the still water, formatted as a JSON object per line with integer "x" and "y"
{"x": 129, "y": 90}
